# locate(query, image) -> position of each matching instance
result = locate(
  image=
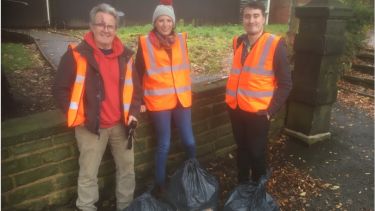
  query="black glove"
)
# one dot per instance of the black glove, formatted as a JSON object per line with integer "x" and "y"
{"x": 131, "y": 133}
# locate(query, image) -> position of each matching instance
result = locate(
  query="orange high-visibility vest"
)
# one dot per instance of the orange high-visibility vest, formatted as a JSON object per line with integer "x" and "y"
{"x": 251, "y": 86}
{"x": 127, "y": 90}
{"x": 166, "y": 81}
{"x": 76, "y": 111}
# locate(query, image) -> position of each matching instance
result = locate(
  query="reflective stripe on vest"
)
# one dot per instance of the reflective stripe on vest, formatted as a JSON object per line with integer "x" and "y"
{"x": 251, "y": 86}
{"x": 166, "y": 81}
{"x": 76, "y": 114}
{"x": 160, "y": 92}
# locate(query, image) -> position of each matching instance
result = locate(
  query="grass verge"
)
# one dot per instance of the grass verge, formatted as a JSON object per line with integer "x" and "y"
{"x": 210, "y": 46}
{"x": 18, "y": 56}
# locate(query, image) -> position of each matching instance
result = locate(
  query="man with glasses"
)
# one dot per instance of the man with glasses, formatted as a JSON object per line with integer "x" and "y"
{"x": 100, "y": 95}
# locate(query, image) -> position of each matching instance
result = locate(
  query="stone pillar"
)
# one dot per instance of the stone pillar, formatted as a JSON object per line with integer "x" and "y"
{"x": 318, "y": 46}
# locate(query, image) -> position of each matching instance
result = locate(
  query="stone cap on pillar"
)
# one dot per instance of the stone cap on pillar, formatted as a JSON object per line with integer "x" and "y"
{"x": 324, "y": 9}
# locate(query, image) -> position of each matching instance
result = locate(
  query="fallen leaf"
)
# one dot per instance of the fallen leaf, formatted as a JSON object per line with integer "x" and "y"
{"x": 335, "y": 187}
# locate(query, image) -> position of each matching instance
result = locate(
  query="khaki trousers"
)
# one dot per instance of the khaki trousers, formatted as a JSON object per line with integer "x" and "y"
{"x": 91, "y": 148}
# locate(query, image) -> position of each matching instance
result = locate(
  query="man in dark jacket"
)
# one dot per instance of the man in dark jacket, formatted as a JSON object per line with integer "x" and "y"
{"x": 258, "y": 86}
{"x": 100, "y": 94}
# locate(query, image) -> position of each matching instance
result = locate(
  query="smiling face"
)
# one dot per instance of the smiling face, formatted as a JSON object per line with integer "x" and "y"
{"x": 104, "y": 28}
{"x": 164, "y": 25}
{"x": 253, "y": 21}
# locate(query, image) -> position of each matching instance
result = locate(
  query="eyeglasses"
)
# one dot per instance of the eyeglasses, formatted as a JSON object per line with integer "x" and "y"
{"x": 103, "y": 26}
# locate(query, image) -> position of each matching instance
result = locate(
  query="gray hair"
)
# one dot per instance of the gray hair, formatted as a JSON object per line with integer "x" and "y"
{"x": 105, "y": 8}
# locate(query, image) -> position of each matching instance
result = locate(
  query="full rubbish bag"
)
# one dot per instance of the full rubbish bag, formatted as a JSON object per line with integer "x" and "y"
{"x": 251, "y": 196}
{"x": 192, "y": 188}
{"x": 146, "y": 202}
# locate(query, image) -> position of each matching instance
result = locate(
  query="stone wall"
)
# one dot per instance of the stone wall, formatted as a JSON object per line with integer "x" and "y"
{"x": 39, "y": 154}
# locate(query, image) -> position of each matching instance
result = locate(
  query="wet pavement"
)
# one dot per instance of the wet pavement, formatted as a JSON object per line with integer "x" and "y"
{"x": 52, "y": 45}
{"x": 345, "y": 162}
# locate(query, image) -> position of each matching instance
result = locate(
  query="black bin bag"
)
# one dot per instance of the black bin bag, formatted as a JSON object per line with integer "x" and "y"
{"x": 146, "y": 202}
{"x": 192, "y": 188}
{"x": 251, "y": 196}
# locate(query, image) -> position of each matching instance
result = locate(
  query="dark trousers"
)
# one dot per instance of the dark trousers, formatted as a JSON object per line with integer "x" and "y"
{"x": 250, "y": 133}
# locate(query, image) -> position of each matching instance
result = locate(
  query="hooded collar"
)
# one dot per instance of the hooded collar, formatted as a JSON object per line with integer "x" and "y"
{"x": 117, "y": 46}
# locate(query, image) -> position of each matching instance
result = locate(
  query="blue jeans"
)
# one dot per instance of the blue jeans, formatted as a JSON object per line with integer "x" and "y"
{"x": 162, "y": 123}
